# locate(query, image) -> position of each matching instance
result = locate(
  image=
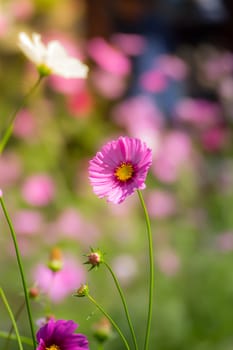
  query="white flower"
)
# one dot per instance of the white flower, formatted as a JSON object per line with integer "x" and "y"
{"x": 51, "y": 58}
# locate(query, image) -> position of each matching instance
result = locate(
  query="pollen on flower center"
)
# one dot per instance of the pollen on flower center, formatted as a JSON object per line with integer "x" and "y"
{"x": 53, "y": 347}
{"x": 124, "y": 172}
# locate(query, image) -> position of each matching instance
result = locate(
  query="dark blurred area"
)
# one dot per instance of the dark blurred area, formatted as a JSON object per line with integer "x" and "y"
{"x": 190, "y": 21}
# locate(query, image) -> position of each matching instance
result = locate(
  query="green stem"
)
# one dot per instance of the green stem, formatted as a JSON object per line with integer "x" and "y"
{"x": 9, "y": 128}
{"x": 100, "y": 346}
{"x": 151, "y": 271}
{"x": 4, "y": 299}
{"x": 111, "y": 320}
{"x": 12, "y": 327}
{"x": 124, "y": 304}
{"x": 20, "y": 265}
{"x": 24, "y": 340}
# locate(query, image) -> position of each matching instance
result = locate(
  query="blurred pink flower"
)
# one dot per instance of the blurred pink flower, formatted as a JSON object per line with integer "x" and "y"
{"x": 173, "y": 153}
{"x": 161, "y": 204}
{"x": 172, "y": 66}
{"x": 108, "y": 57}
{"x": 168, "y": 262}
{"x": 107, "y": 84}
{"x": 22, "y": 9}
{"x": 125, "y": 267}
{"x": 5, "y": 23}
{"x": 225, "y": 88}
{"x": 80, "y": 103}
{"x": 130, "y": 44}
{"x": 224, "y": 241}
{"x": 218, "y": 65}
{"x": 215, "y": 138}
{"x": 25, "y": 125}
{"x": 70, "y": 223}
{"x": 198, "y": 112}
{"x": 153, "y": 81}
{"x": 10, "y": 169}
{"x": 141, "y": 118}
{"x": 62, "y": 283}
{"x": 27, "y": 222}
{"x": 38, "y": 190}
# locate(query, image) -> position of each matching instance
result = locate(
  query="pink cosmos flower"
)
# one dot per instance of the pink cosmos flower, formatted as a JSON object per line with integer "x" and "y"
{"x": 108, "y": 57}
{"x": 169, "y": 262}
{"x": 10, "y": 169}
{"x": 28, "y": 222}
{"x": 175, "y": 151}
{"x": 80, "y": 103}
{"x": 25, "y": 125}
{"x": 38, "y": 190}
{"x": 107, "y": 84}
{"x": 200, "y": 113}
{"x": 172, "y": 66}
{"x": 70, "y": 223}
{"x": 60, "y": 284}
{"x": 120, "y": 168}
{"x": 224, "y": 241}
{"x": 215, "y": 138}
{"x": 153, "y": 81}
{"x": 22, "y": 9}
{"x": 130, "y": 44}
{"x": 59, "y": 335}
{"x": 161, "y": 204}
{"x": 126, "y": 268}
{"x": 141, "y": 118}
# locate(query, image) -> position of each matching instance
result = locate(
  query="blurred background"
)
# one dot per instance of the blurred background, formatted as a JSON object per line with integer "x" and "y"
{"x": 161, "y": 71}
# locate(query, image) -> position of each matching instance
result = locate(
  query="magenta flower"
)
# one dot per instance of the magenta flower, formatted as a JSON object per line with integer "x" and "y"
{"x": 120, "y": 168}
{"x": 59, "y": 335}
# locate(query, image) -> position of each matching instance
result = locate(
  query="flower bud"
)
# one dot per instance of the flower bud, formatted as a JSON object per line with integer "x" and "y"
{"x": 55, "y": 261}
{"x": 82, "y": 291}
{"x": 33, "y": 293}
{"x": 102, "y": 330}
{"x": 95, "y": 258}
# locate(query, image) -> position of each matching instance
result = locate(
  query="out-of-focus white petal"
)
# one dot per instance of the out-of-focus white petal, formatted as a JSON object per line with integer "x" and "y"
{"x": 26, "y": 45}
{"x": 70, "y": 68}
{"x": 54, "y": 56}
{"x": 55, "y": 51}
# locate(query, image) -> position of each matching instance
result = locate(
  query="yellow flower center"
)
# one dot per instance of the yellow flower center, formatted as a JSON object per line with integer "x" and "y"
{"x": 53, "y": 347}
{"x": 124, "y": 172}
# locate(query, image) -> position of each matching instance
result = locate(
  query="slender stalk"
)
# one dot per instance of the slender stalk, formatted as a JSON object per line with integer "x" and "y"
{"x": 12, "y": 327}
{"x": 20, "y": 265}
{"x": 4, "y": 299}
{"x": 8, "y": 130}
{"x": 100, "y": 346}
{"x": 124, "y": 304}
{"x": 24, "y": 340}
{"x": 151, "y": 271}
{"x": 110, "y": 319}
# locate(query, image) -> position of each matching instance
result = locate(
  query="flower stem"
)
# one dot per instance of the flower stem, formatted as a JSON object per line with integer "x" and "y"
{"x": 100, "y": 346}
{"x": 110, "y": 319}
{"x": 24, "y": 340}
{"x": 4, "y": 299}
{"x": 124, "y": 303}
{"x": 151, "y": 270}
{"x": 13, "y": 235}
{"x": 12, "y": 327}
{"x": 8, "y": 130}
